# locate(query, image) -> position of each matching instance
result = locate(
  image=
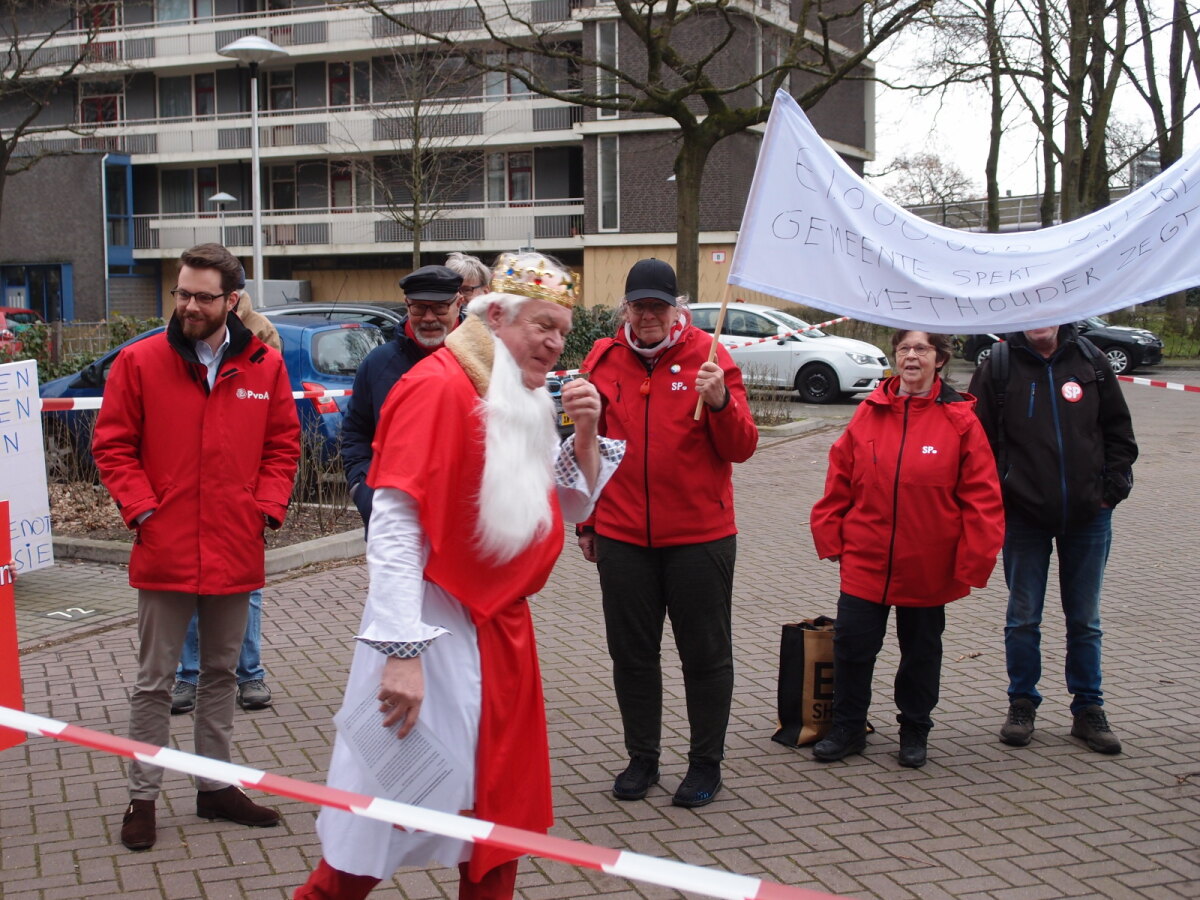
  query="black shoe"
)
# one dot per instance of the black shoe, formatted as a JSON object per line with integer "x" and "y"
{"x": 137, "y": 827}
{"x": 700, "y": 785}
{"x": 636, "y": 780}
{"x": 1091, "y": 725}
{"x": 1018, "y": 725}
{"x": 183, "y": 698}
{"x": 231, "y": 804}
{"x": 841, "y": 742}
{"x": 912, "y": 746}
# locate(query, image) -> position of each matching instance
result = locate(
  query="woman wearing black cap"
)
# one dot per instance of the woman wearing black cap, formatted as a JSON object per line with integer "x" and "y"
{"x": 663, "y": 533}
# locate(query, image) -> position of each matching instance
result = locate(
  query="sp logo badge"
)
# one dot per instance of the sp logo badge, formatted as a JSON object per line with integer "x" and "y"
{"x": 928, "y": 449}
{"x": 1072, "y": 392}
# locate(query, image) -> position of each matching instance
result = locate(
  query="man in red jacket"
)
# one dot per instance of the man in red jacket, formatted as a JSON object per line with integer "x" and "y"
{"x": 197, "y": 442}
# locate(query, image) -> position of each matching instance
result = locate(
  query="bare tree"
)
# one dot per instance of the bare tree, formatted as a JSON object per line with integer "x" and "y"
{"x": 418, "y": 109}
{"x": 43, "y": 49}
{"x": 696, "y": 83}
{"x": 925, "y": 179}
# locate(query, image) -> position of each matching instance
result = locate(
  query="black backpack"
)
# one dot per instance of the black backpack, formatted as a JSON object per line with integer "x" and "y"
{"x": 998, "y": 368}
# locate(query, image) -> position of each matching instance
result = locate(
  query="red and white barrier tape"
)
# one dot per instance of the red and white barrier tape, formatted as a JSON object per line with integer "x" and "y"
{"x": 60, "y": 404}
{"x": 1169, "y": 385}
{"x": 681, "y": 876}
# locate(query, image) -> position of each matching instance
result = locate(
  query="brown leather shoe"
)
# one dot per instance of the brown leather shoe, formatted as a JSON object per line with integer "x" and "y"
{"x": 230, "y": 803}
{"x": 137, "y": 828}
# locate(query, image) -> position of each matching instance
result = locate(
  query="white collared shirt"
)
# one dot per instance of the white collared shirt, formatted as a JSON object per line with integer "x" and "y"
{"x": 212, "y": 359}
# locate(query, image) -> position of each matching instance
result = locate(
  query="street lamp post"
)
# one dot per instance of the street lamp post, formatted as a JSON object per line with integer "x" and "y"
{"x": 254, "y": 50}
{"x": 221, "y": 199}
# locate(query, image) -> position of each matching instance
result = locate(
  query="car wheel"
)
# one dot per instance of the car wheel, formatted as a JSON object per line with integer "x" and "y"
{"x": 983, "y": 354}
{"x": 817, "y": 383}
{"x": 1118, "y": 359}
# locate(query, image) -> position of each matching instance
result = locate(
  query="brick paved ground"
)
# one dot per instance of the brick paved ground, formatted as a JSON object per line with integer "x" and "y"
{"x": 980, "y": 820}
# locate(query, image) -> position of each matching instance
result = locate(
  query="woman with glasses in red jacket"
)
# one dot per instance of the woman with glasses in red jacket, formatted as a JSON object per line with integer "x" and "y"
{"x": 912, "y": 512}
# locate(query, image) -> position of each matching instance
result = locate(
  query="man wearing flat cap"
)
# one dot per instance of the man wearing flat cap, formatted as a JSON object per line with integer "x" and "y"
{"x": 434, "y": 299}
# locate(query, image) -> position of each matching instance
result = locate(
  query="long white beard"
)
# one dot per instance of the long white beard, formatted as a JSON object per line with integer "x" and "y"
{"x": 514, "y": 499}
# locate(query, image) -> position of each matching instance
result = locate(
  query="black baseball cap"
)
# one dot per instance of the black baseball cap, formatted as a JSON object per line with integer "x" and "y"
{"x": 651, "y": 279}
{"x": 436, "y": 283}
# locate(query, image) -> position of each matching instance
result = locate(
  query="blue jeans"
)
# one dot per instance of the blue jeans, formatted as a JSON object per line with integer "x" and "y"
{"x": 249, "y": 666}
{"x": 1082, "y": 555}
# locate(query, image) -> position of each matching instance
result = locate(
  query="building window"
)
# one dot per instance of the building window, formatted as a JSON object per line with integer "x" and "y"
{"x": 607, "y": 173}
{"x": 501, "y": 85}
{"x": 206, "y": 95}
{"x": 510, "y": 178}
{"x": 768, "y": 59}
{"x": 283, "y": 187}
{"x": 349, "y": 84}
{"x": 101, "y": 102}
{"x": 181, "y": 10}
{"x": 281, "y": 90}
{"x": 175, "y": 97}
{"x": 206, "y": 186}
{"x": 177, "y": 191}
{"x": 606, "y": 52}
{"x": 341, "y": 187}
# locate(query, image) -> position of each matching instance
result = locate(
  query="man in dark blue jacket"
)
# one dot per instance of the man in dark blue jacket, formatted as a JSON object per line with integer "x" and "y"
{"x": 434, "y": 299}
{"x": 1063, "y": 439}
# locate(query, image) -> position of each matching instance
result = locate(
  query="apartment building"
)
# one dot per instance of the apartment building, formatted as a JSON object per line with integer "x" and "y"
{"x": 160, "y": 125}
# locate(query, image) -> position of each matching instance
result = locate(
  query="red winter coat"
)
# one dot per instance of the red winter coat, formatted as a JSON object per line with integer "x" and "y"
{"x": 675, "y": 484}
{"x": 912, "y": 504}
{"x": 210, "y": 465}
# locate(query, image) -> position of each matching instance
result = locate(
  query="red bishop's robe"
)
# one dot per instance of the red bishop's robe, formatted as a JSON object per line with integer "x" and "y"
{"x": 430, "y": 445}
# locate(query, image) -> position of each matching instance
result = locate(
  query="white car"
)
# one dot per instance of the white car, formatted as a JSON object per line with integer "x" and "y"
{"x": 820, "y": 366}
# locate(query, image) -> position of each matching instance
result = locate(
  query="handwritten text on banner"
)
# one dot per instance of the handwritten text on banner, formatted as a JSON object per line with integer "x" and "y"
{"x": 815, "y": 233}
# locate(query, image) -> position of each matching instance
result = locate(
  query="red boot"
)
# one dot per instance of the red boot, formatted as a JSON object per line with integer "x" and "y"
{"x": 328, "y": 883}
{"x": 497, "y": 884}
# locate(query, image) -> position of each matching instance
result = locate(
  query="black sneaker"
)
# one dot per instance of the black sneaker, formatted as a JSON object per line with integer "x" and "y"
{"x": 912, "y": 746}
{"x": 253, "y": 695}
{"x": 636, "y": 780}
{"x": 1018, "y": 726}
{"x": 700, "y": 785}
{"x": 1091, "y": 725}
{"x": 183, "y": 698}
{"x": 842, "y": 741}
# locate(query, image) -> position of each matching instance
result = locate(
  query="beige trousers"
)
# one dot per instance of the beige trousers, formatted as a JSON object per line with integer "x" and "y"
{"x": 163, "y": 618}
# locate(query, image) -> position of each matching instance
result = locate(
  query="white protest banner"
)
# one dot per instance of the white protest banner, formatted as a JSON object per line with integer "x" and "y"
{"x": 815, "y": 233}
{"x": 23, "y": 464}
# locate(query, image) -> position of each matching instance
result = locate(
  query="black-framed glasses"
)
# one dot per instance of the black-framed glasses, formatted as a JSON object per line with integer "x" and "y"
{"x": 203, "y": 297}
{"x": 419, "y": 310}
{"x": 468, "y": 289}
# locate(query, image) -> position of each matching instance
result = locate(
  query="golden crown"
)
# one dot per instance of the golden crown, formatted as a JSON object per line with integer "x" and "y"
{"x": 531, "y": 275}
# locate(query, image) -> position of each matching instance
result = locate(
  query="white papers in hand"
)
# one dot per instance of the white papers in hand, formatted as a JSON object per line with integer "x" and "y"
{"x": 418, "y": 769}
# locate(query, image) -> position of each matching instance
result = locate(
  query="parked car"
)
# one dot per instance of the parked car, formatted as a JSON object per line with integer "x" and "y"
{"x": 10, "y": 347}
{"x": 974, "y": 348}
{"x": 14, "y": 320}
{"x": 1126, "y": 348}
{"x": 820, "y": 366}
{"x": 319, "y": 355}
{"x": 385, "y": 316}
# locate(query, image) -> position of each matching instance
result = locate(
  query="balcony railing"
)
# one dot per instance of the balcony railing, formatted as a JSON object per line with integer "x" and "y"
{"x": 312, "y": 30}
{"x": 324, "y": 131}
{"x": 554, "y": 223}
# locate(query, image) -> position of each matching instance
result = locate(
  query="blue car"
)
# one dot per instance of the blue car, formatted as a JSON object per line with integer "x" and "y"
{"x": 320, "y": 356}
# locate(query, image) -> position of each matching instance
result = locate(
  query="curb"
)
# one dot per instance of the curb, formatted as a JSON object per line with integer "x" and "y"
{"x": 802, "y": 426}
{"x": 346, "y": 545}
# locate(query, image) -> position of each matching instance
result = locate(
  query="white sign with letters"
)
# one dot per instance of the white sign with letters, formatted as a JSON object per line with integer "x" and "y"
{"x": 23, "y": 467}
{"x": 815, "y": 233}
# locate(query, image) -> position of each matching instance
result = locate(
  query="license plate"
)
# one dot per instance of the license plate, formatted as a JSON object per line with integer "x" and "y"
{"x": 887, "y": 373}
{"x": 565, "y": 420}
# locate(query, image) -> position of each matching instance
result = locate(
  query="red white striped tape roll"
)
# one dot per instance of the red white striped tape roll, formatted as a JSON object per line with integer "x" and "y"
{"x": 1169, "y": 385}
{"x": 709, "y": 882}
{"x": 60, "y": 404}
